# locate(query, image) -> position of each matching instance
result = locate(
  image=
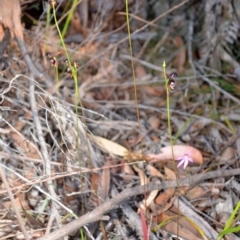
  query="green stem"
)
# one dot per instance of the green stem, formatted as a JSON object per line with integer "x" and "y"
{"x": 170, "y": 132}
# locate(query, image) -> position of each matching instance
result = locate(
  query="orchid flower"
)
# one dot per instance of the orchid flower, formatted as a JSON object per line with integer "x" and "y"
{"x": 184, "y": 160}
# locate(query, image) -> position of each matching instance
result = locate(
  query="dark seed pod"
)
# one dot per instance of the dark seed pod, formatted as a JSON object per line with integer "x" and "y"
{"x": 171, "y": 81}
{"x": 171, "y": 84}
{"x": 53, "y": 62}
{"x": 65, "y": 61}
{"x": 172, "y": 75}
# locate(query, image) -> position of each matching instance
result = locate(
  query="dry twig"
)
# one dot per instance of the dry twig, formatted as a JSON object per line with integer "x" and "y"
{"x": 98, "y": 212}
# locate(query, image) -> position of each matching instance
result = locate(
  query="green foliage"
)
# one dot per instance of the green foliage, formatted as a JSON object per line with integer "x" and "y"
{"x": 230, "y": 224}
{"x": 69, "y": 17}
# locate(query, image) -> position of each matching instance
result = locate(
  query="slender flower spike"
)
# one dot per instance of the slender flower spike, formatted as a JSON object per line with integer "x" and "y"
{"x": 53, "y": 3}
{"x": 184, "y": 160}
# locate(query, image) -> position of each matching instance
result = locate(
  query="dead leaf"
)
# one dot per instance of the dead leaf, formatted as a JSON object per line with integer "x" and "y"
{"x": 146, "y": 203}
{"x": 180, "y": 227}
{"x": 196, "y": 192}
{"x": 31, "y": 219}
{"x": 170, "y": 175}
{"x": 76, "y": 25}
{"x": 154, "y": 122}
{"x": 154, "y": 91}
{"x": 168, "y": 193}
{"x": 179, "y": 151}
{"x": 140, "y": 71}
{"x": 228, "y": 154}
{"x": 94, "y": 181}
{"x": 104, "y": 183}
{"x": 163, "y": 198}
{"x": 109, "y": 146}
{"x": 27, "y": 147}
{"x": 127, "y": 170}
{"x": 198, "y": 125}
{"x": 143, "y": 178}
{"x": 181, "y": 56}
{"x": 152, "y": 171}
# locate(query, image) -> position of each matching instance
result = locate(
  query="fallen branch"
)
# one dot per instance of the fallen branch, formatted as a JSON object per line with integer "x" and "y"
{"x": 98, "y": 212}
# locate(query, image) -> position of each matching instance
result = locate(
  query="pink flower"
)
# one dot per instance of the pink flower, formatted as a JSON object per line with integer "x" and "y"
{"x": 184, "y": 160}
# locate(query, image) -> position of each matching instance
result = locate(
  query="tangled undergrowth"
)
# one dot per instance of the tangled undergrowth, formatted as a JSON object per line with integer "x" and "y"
{"x": 78, "y": 161}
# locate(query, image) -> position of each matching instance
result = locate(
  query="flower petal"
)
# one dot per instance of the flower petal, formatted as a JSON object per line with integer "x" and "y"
{"x": 179, "y": 159}
{"x": 180, "y": 163}
{"x": 190, "y": 159}
{"x": 185, "y": 163}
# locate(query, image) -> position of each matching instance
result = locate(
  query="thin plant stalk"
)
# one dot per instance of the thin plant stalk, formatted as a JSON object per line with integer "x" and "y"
{"x": 170, "y": 129}
{"x": 134, "y": 82}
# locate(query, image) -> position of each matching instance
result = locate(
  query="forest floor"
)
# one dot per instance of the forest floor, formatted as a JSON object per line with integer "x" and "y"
{"x": 107, "y": 143}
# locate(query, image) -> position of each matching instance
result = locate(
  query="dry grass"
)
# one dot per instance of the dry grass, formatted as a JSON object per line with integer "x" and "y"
{"x": 59, "y": 175}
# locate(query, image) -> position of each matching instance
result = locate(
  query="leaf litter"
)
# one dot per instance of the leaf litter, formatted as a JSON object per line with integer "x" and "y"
{"x": 92, "y": 164}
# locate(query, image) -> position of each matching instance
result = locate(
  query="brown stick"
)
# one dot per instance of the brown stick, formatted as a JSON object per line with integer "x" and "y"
{"x": 16, "y": 209}
{"x": 98, "y": 212}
